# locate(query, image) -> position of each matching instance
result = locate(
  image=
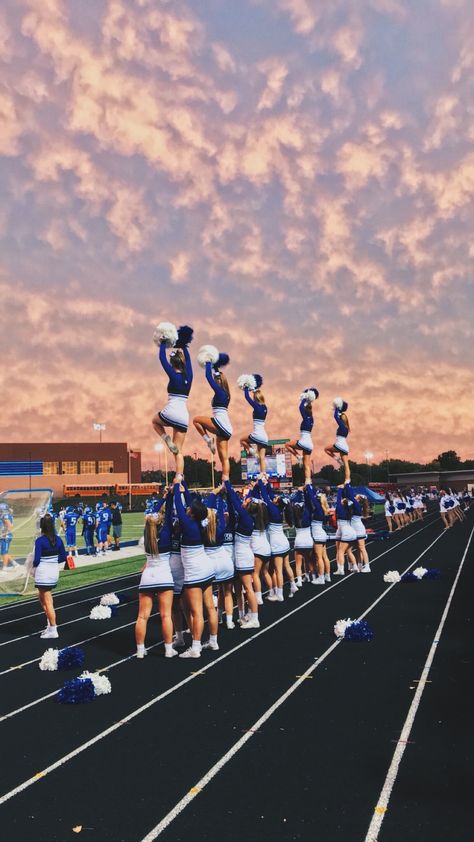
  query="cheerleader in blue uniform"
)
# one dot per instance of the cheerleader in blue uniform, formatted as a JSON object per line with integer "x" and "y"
{"x": 244, "y": 558}
{"x": 303, "y": 541}
{"x": 345, "y": 534}
{"x": 360, "y": 509}
{"x": 318, "y": 508}
{"x": 256, "y": 442}
{"x": 198, "y": 573}
{"x": 219, "y": 425}
{"x": 389, "y": 511}
{"x": 213, "y": 537}
{"x": 175, "y": 414}
{"x": 156, "y": 579}
{"x": 340, "y": 449}
{"x": 280, "y": 546}
{"x": 49, "y": 553}
{"x": 304, "y": 443}
{"x": 259, "y": 543}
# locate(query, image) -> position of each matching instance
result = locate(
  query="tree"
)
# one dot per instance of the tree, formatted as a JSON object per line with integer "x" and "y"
{"x": 449, "y": 461}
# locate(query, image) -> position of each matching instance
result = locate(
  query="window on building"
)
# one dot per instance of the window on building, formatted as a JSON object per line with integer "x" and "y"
{"x": 50, "y": 467}
{"x": 69, "y": 467}
{"x": 106, "y": 467}
{"x": 88, "y": 467}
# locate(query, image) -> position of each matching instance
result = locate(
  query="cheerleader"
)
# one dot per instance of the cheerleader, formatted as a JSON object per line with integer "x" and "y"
{"x": 213, "y": 537}
{"x": 198, "y": 573}
{"x": 219, "y": 425}
{"x": 279, "y": 544}
{"x": 360, "y": 509}
{"x": 177, "y": 572}
{"x": 400, "y": 505}
{"x": 389, "y": 510}
{"x": 156, "y": 579}
{"x": 49, "y": 553}
{"x": 257, "y": 440}
{"x": 319, "y": 509}
{"x": 175, "y": 414}
{"x": 345, "y": 532}
{"x": 244, "y": 559}
{"x": 259, "y": 543}
{"x": 340, "y": 449}
{"x": 303, "y": 541}
{"x": 418, "y": 507}
{"x": 305, "y": 443}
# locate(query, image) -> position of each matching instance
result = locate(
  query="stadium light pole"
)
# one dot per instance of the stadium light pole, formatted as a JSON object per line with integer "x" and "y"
{"x": 99, "y": 426}
{"x": 368, "y": 456}
{"x": 160, "y": 448}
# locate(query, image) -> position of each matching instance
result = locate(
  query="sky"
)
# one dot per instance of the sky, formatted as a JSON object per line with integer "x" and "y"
{"x": 293, "y": 178}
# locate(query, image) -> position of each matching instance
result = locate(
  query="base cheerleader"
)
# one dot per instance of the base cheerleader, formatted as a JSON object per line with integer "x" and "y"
{"x": 303, "y": 545}
{"x": 345, "y": 532}
{"x": 304, "y": 443}
{"x": 319, "y": 510}
{"x": 360, "y": 509}
{"x": 257, "y": 441}
{"x": 219, "y": 425}
{"x": 279, "y": 510}
{"x": 340, "y": 449}
{"x": 49, "y": 553}
{"x": 180, "y": 373}
{"x": 244, "y": 558}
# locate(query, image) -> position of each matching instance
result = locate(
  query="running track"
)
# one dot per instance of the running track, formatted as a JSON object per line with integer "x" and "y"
{"x": 284, "y": 734}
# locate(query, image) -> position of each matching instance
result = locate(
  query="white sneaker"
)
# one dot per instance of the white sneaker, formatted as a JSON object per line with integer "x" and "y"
{"x": 178, "y": 644}
{"x": 211, "y": 446}
{"x": 249, "y": 624}
{"x": 49, "y": 632}
{"x": 141, "y": 655}
{"x": 190, "y": 653}
{"x": 171, "y": 445}
{"x": 230, "y": 625}
{"x": 339, "y": 572}
{"x": 209, "y": 644}
{"x": 252, "y": 451}
{"x": 242, "y": 619}
{"x": 293, "y": 587}
{"x": 169, "y": 653}
{"x": 272, "y": 597}
{"x": 215, "y": 600}
{"x": 366, "y": 569}
{"x": 327, "y": 577}
{"x": 281, "y": 598}
{"x": 319, "y": 581}
{"x": 258, "y": 595}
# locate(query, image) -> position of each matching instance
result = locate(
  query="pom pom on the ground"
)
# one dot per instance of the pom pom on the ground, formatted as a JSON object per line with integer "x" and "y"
{"x": 109, "y": 599}
{"x": 258, "y": 380}
{"x": 114, "y": 609}
{"x": 337, "y": 403}
{"x": 207, "y": 354}
{"x": 420, "y": 572}
{"x": 101, "y": 683}
{"x": 409, "y": 577}
{"x": 101, "y": 612}
{"x": 70, "y": 658}
{"x": 223, "y": 360}
{"x": 432, "y": 573}
{"x": 247, "y": 381}
{"x": 123, "y": 597}
{"x": 165, "y": 332}
{"x": 185, "y": 336}
{"x": 341, "y": 626}
{"x": 309, "y": 395}
{"x": 359, "y": 630}
{"x": 49, "y": 660}
{"x": 76, "y": 692}
{"x": 392, "y": 576}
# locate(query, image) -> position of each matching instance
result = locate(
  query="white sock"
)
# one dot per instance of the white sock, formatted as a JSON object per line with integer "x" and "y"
{"x": 298, "y": 580}
{"x": 229, "y": 619}
{"x": 272, "y": 592}
{"x": 168, "y": 647}
{"x": 53, "y": 628}
{"x": 253, "y": 616}
{"x": 258, "y": 595}
{"x": 241, "y": 614}
{"x": 279, "y": 591}
{"x": 207, "y": 438}
{"x": 140, "y": 647}
{"x": 212, "y": 638}
{"x": 197, "y": 645}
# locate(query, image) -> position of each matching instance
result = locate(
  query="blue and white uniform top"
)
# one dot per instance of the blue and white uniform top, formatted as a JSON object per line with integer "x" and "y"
{"x": 71, "y": 519}
{"x": 356, "y": 519}
{"x": 104, "y": 519}
{"x": 229, "y": 534}
{"x": 222, "y": 561}
{"x": 46, "y": 561}
{"x": 175, "y": 414}
{"x": 220, "y": 403}
{"x": 157, "y": 575}
{"x": 345, "y": 532}
{"x": 341, "y": 433}
{"x": 259, "y": 434}
{"x": 244, "y": 525}
{"x": 6, "y": 526}
{"x": 278, "y": 541}
{"x": 318, "y": 532}
{"x": 303, "y": 538}
{"x": 305, "y": 442}
{"x": 198, "y": 567}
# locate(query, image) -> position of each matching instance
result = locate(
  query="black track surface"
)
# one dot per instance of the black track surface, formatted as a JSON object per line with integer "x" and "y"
{"x": 316, "y": 767}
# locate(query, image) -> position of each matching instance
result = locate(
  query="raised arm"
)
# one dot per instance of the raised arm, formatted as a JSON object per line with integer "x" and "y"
{"x": 302, "y": 406}
{"x": 187, "y": 494}
{"x": 164, "y": 360}
{"x": 183, "y": 518}
{"x": 233, "y": 497}
{"x": 220, "y": 515}
{"x": 188, "y": 364}
{"x": 62, "y": 556}
{"x": 249, "y": 400}
{"x": 209, "y": 377}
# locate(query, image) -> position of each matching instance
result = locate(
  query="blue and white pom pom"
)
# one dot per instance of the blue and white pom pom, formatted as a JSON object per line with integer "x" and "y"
{"x": 165, "y": 332}
{"x": 84, "y": 689}
{"x": 109, "y": 599}
{"x": 101, "y": 612}
{"x": 185, "y": 336}
{"x": 337, "y": 403}
{"x": 309, "y": 395}
{"x": 420, "y": 572}
{"x": 247, "y": 381}
{"x": 207, "y": 354}
{"x": 432, "y": 573}
{"x": 354, "y": 630}
{"x": 62, "y": 659}
{"x": 101, "y": 683}
{"x": 392, "y": 576}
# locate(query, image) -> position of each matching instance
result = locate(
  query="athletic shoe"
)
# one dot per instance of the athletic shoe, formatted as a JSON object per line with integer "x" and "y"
{"x": 319, "y": 581}
{"x": 190, "y": 653}
{"x": 327, "y": 577}
{"x": 49, "y": 633}
{"x": 141, "y": 655}
{"x": 230, "y": 625}
{"x": 170, "y": 653}
{"x": 178, "y": 645}
{"x": 252, "y": 451}
{"x": 209, "y": 644}
{"x": 211, "y": 446}
{"x": 249, "y": 624}
{"x": 293, "y": 587}
{"x": 171, "y": 445}
{"x": 272, "y": 597}
{"x": 366, "y": 569}
{"x": 281, "y": 598}
{"x": 339, "y": 572}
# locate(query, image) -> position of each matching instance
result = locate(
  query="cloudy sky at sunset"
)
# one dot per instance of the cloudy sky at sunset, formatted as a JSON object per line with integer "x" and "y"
{"x": 294, "y": 178}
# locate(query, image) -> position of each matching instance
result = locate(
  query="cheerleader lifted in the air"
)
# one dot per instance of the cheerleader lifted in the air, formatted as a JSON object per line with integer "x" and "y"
{"x": 180, "y": 373}
{"x": 304, "y": 443}
{"x": 340, "y": 449}
{"x": 219, "y": 425}
{"x": 256, "y": 442}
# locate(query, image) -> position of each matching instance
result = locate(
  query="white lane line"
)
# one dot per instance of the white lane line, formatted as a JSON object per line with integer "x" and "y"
{"x": 384, "y": 797}
{"x": 131, "y": 716}
{"x": 59, "y": 608}
{"x": 67, "y": 591}
{"x": 216, "y": 768}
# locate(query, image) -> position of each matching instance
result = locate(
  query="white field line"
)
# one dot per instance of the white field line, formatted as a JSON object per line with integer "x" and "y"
{"x": 134, "y": 714}
{"x": 60, "y": 608}
{"x": 384, "y": 797}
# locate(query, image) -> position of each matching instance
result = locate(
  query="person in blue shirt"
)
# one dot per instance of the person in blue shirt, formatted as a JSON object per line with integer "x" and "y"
{"x": 219, "y": 425}
{"x": 6, "y": 536}
{"x": 257, "y": 441}
{"x": 340, "y": 449}
{"x": 244, "y": 557}
{"x": 71, "y": 519}
{"x": 304, "y": 443}
{"x": 49, "y": 553}
{"x": 103, "y": 521}
{"x": 175, "y": 414}
{"x": 88, "y": 524}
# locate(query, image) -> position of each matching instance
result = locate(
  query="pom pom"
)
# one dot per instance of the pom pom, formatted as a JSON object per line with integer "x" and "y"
{"x": 109, "y": 599}
{"x": 337, "y": 403}
{"x": 114, "y": 609}
{"x": 70, "y": 658}
{"x": 258, "y": 380}
{"x": 309, "y": 395}
{"x": 185, "y": 336}
{"x": 341, "y": 626}
{"x": 359, "y": 630}
{"x": 409, "y": 577}
{"x": 123, "y": 597}
{"x": 101, "y": 612}
{"x": 392, "y": 576}
{"x": 49, "y": 660}
{"x": 432, "y": 573}
{"x": 247, "y": 381}
{"x": 419, "y": 572}
{"x": 207, "y": 354}
{"x": 101, "y": 683}
{"x": 223, "y": 360}
{"x": 76, "y": 692}
{"x": 165, "y": 332}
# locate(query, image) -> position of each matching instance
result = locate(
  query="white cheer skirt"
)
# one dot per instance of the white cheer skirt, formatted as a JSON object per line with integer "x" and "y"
{"x": 305, "y": 441}
{"x": 318, "y": 533}
{"x": 259, "y": 434}
{"x": 176, "y": 414}
{"x": 229, "y": 548}
{"x": 341, "y": 444}
{"x": 177, "y": 572}
{"x": 358, "y": 526}
{"x": 279, "y": 543}
{"x": 304, "y": 539}
{"x": 221, "y": 419}
{"x": 222, "y": 563}
{"x": 47, "y": 572}
{"x": 244, "y": 558}
{"x": 198, "y": 567}
{"x": 345, "y": 532}
{"x": 260, "y": 545}
{"x": 157, "y": 574}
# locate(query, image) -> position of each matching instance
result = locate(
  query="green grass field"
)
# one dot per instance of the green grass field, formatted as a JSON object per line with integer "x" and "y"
{"x": 24, "y": 532}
